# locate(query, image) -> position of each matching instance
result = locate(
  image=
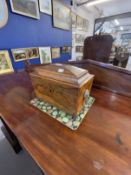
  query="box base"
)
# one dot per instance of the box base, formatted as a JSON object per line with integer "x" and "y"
{"x": 68, "y": 120}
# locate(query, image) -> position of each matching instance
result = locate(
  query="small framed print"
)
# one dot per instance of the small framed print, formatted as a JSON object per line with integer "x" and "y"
{"x": 19, "y": 54}
{"x": 46, "y": 6}
{"x": 5, "y": 63}
{"x": 55, "y": 52}
{"x": 32, "y": 52}
{"x": 45, "y": 55}
{"x": 79, "y": 49}
{"x": 25, "y": 53}
{"x": 74, "y": 19}
{"x": 28, "y": 8}
{"x": 66, "y": 49}
{"x": 85, "y": 25}
{"x": 80, "y": 23}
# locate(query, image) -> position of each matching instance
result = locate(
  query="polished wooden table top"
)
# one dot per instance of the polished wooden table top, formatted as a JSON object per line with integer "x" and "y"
{"x": 101, "y": 145}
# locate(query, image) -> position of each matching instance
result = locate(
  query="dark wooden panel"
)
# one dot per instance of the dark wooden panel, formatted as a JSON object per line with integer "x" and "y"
{"x": 98, "y": 48}
{"x": 101, "y": 146}
{"x": 108, "y": 77}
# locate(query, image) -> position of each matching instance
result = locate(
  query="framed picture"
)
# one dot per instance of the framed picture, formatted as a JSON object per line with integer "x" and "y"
{"x": 74, "y": 19}
{"x": 55, "y": 53}
{"x": 85, "y": 24}
{"x": 61, "y": 15}
{"x": 5, "y": 63}
{"x": 80, "y": 38}
{"x": 45, "y": 55}
{"x": 73, "y": 39}
{"x": 79, "y": 49}
{"x": 3, "y": 13}
{"x": 28, "y": 8}
{"x": 19, "y": 54}
{"x": 46, "y": 6}
{"x": 66, "y": 49}
{"x": 32, "y": 52}
{"x": 80, "y": 23}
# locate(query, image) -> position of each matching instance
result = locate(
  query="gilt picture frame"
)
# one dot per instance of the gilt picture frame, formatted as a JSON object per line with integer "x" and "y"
{"x": 29, "y": 8}
{"x": 5, "y": 63}
{"x": 61, "y": 15}
{"x": 45, "y": 55}
{"x": 55, "y": 52}
{"x": 45, "y": 6}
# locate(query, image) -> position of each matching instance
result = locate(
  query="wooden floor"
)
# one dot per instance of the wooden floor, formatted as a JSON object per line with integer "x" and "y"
{"x": 101, "y": 146}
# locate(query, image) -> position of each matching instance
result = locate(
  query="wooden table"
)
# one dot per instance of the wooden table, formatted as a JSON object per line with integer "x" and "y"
{"x": 101, "y": 146}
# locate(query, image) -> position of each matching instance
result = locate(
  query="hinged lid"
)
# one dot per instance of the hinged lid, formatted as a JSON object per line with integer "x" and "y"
{"x": 63, "y": 73}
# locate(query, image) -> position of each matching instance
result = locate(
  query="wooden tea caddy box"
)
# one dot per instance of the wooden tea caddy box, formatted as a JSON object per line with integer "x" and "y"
{"x": 62, "y": 85}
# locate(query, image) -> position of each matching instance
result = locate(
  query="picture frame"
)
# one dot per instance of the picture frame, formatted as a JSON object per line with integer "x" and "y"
{"x": 80, "y": 23}
{"x": 55, "y": 52}
{"x": 45, "y": 6}
{"x": 80, "y": 38}
{"x": 74, "y": 19}
{"x": 19, "y": 54}
{"x": 45, "y": 55}
{"x": 32, "y": 52}
{"x": 29, "y": 8}
{"x": 3, "y": 13}
{"x": 61, "y": 15}
{"x": 79, "y": 49}
{"x": 85, "y": 24}
{"x": 66, "y": 49}
{"x": 5, "y": 63}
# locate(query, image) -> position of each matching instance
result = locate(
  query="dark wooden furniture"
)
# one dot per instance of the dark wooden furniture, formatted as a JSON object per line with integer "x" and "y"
{"x": 98, "y": 48}
{"x": 107, "y": 76}
{"x": 101, "y": 146}
{"x": 64, "y": 86}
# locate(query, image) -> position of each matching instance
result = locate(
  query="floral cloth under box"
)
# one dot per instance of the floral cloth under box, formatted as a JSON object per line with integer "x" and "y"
{"x": 63, "y": 117}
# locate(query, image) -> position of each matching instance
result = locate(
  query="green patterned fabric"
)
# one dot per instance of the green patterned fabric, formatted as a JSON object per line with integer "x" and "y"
{"x": 63, "y": 117}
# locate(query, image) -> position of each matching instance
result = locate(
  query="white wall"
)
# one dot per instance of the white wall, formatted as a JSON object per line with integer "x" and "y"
{"x": 90, "y": 16}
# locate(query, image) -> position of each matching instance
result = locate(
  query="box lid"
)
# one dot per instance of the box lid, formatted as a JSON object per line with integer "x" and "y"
{"x": 63, "y": 73}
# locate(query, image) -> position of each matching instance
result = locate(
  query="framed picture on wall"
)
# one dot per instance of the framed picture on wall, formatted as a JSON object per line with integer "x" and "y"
{"x": 19, "y": 54}
{"x": 5, "y": 63}
{"x": 79, "y": 49}
{"x": 3, "y": 13}
{"x": 74, "y": 17}
{"x": 66, "y": 49}
{"x": 45, "y": 55}
{"x": 85, "y": 24}
{"x": 32, "y": 52}
{"x": 80, "y": 23}
{"x": 46, "y": 6}
{"x": 28, "y": 8}
{"x": 61, "y": 15}
{"x": 55, "y": 52}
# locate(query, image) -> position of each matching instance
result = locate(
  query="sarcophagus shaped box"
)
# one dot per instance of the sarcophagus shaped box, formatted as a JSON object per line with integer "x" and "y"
{"x": 63, "y": 86}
